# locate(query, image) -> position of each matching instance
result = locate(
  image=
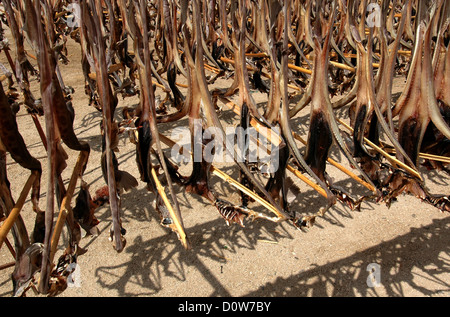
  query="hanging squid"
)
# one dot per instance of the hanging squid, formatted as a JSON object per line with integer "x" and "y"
{"x": 417, "y": 108}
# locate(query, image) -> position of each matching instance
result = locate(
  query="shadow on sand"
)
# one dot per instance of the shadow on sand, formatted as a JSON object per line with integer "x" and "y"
{"x": 421, "y": 253}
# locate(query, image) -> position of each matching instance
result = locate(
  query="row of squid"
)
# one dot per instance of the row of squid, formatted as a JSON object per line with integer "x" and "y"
{"x": 327, "y": 55}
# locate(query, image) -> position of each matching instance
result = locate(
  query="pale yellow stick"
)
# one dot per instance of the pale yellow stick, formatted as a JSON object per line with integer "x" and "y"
{"x": 343, "y": 66}
{"x": 182, "y": 85}
{"x": 234, "y": 183}
{"x": 14, "y": 214}
{"x": 30, "y": 55}
{"x": 256, "y": 54}
{"x": 390, "y": 158}
{"x": 256, "y": 125}
{"x": 302, "y": 177}
{"x": 340, "y": 167}
{"x": 246, "y": 191}
{"x": 429, "y": 156}
{"x": 300, "y": 69}
{"x": 433, "y": 157}
{"x": 211, "y": 68}
{"x": 62, "y": 216}
{"x": 176, "y": 225}
{"x": 65, "y": 204}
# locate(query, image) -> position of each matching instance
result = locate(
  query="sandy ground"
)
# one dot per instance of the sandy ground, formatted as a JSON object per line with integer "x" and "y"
{"x": 409, "y": 242}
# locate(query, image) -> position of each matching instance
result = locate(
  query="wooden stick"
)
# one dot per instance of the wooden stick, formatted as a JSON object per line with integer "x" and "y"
{"x": 176, "y": 225}
{"x": 182, "y": 85}
{"x": 246, "y": 191}
{"x": 300, "y": 69}
{"x": 407, "y": 53}
{"x": 57, "y": 231}
{"x": 211, "y": 68}
{"x": 31, "y": 55}
{"x": 302, "y": 177}
{"x": 257, "y": 126}
{"x": 65, "y": 204}
{"x": 428, "y": 156}
{"x": 343, "y": 66}
{"x": 434, "y": 157}
{"x": 217, "y": 172}
{"x": 256, "y": 54}
{"x": 12, "y": 217}
{"x": 340, "y": 167}
{"x": 351, "y": 174}
{"x": 390, "y": 158}
{"x": 350, "y": 68}
{"x": 291, "y": 66}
